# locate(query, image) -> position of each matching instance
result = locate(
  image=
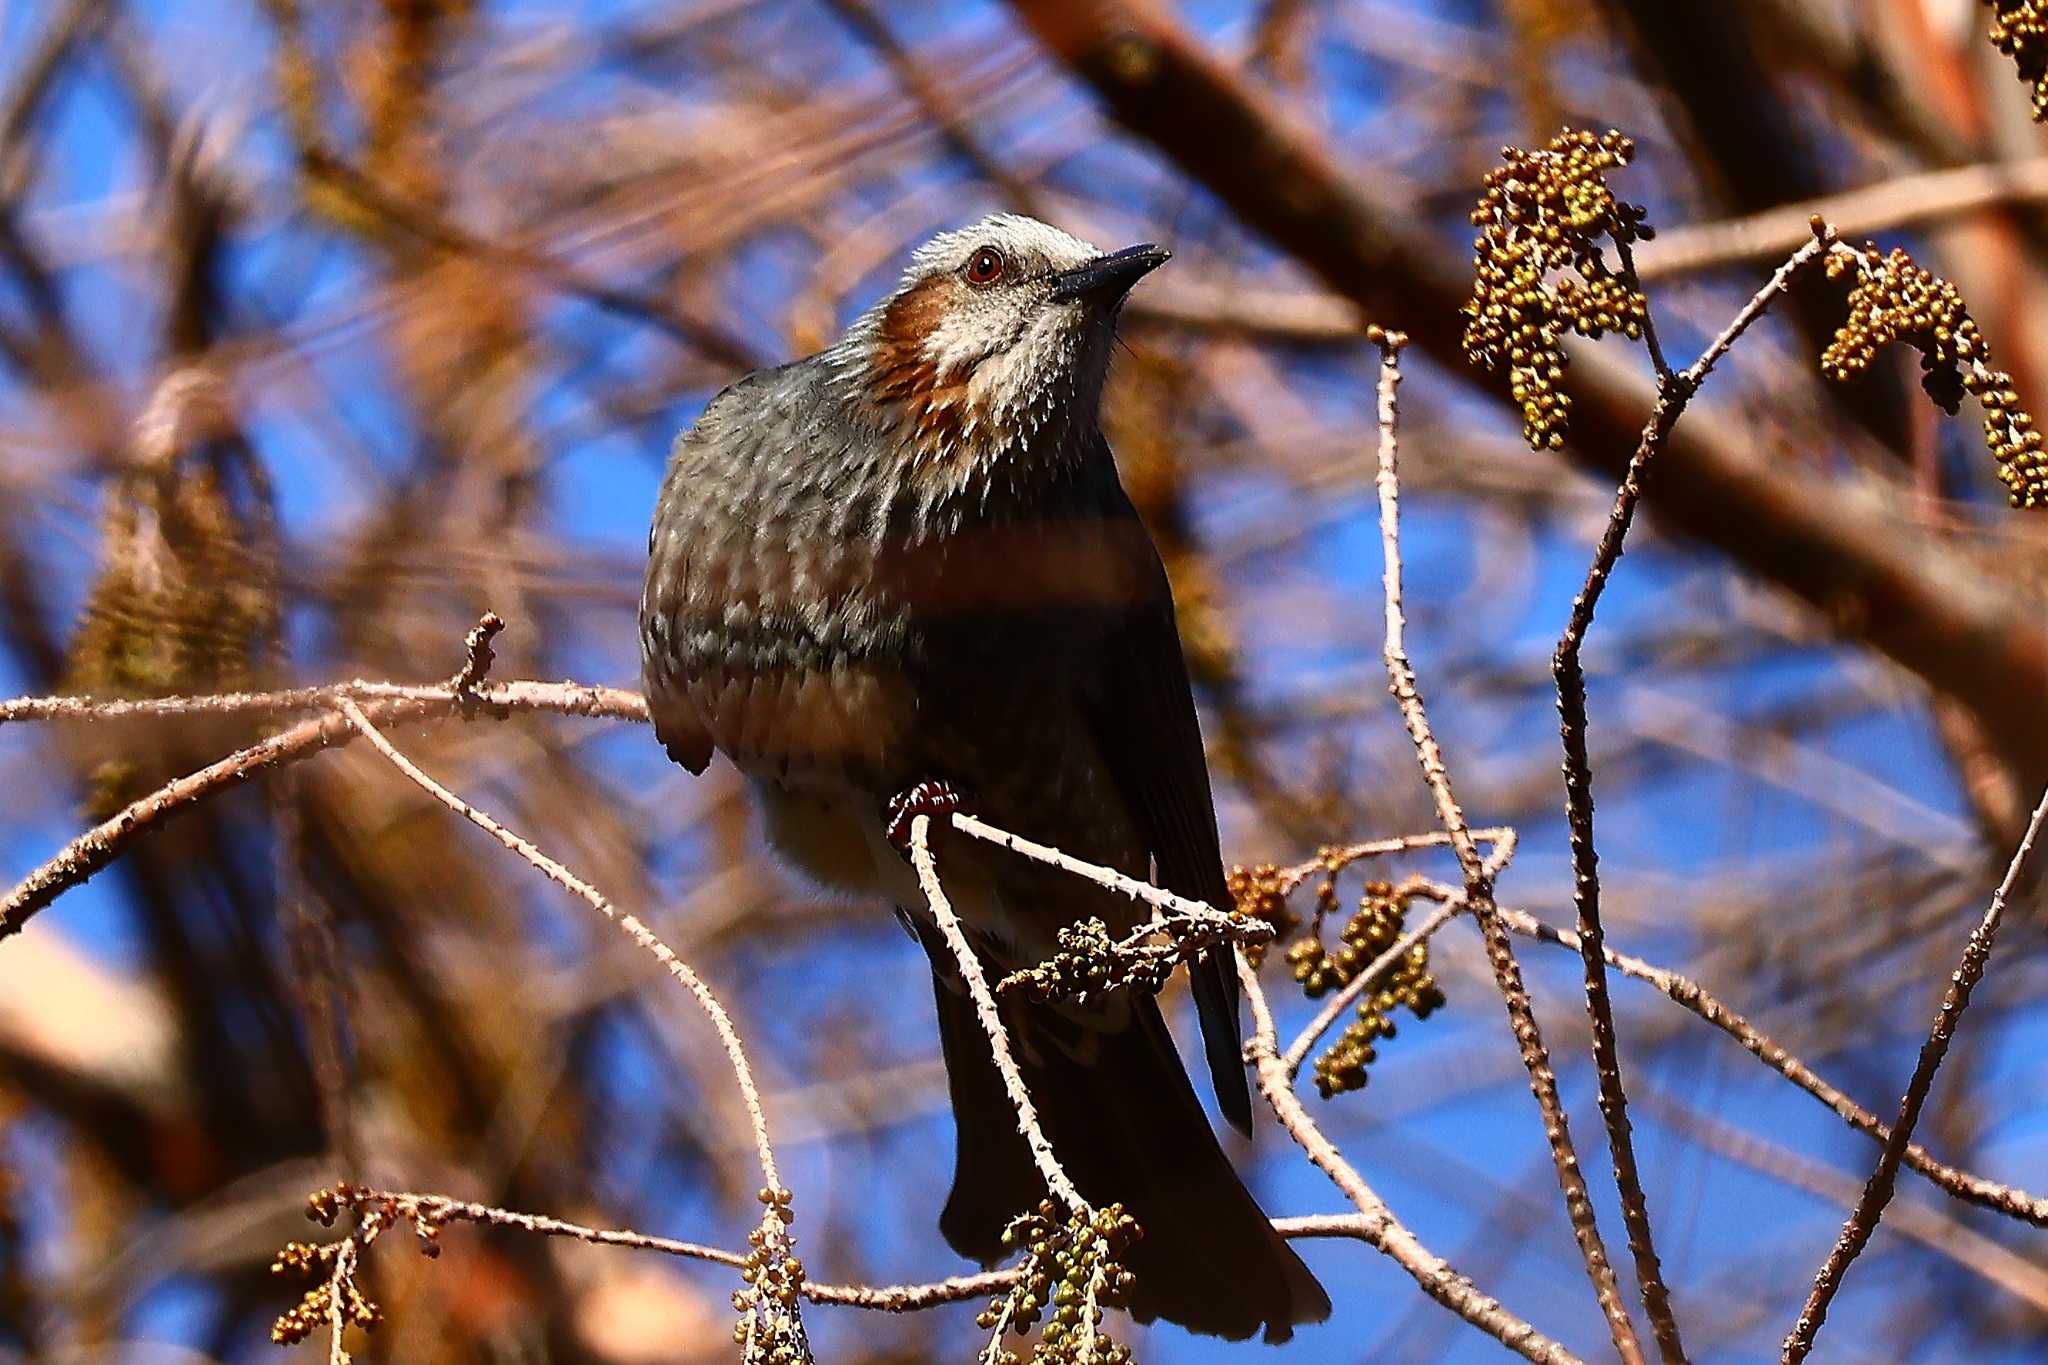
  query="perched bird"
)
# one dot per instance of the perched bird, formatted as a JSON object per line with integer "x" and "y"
{"x": 901, "y": 574}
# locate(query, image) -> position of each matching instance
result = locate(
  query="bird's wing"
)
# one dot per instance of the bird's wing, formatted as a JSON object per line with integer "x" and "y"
{"x": 666, "y": 600}
{"x": 1146, "y": 729}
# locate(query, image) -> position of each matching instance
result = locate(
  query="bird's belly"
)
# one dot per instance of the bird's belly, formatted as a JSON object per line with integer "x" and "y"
{"x": 829, "y": 726}
{"x": 837, "y": 839}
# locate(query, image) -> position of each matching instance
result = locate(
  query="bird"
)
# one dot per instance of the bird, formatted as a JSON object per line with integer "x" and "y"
{"x": 902, "y": 576}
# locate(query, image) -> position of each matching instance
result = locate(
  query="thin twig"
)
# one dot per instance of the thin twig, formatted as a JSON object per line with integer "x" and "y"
{"x": 1108, "y": 878}
{"x": 971, "y": 974}
{"x": 338, "y": 1281}
{"x": 641, "y": 935}
{"x": 1500, "y": 954}
{"x": 1674, "y": 392}
{"x": 1377, "y": 1225}
{"x": 95, "y": 848}
{"x": 565, "y": 698}
{"x": 477, "y": 657}
{"x": 1337, "y": 857}
{"x": 1877, "y": 1192}
{"x": 1930, "y": 1225}
{"x": 1682, "y": 990}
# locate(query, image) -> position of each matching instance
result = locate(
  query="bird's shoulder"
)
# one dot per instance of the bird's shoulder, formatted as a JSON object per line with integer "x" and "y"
{"x": 1127, "y": 540}
{"x": 762, "y": 404}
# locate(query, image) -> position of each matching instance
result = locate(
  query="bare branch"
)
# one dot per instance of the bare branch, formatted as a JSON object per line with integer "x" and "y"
{"x": 629, "y": 924}
{"x": 1479, "y": 880}
{"x": 2005, "y": 1199}
{"x": 1674, "y": 392}
{"x": 1878, "y": 1192}
{"x": 976, "y": 981}
{"x": 95, "y": 848}
{"x": 1377, "y": 1224}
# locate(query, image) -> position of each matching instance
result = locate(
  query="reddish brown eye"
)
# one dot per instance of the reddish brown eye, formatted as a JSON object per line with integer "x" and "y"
{"x": 986, "y": 266}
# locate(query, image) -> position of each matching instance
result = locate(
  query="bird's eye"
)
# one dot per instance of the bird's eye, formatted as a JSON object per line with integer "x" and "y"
{"x": 986, "y": 266}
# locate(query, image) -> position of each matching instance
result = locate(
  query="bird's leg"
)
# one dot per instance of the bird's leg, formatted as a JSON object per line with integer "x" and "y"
{"x": 934, "y": 796}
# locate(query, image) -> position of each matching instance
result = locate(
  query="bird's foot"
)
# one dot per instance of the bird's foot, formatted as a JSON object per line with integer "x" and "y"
{"x": 933, "y": 796}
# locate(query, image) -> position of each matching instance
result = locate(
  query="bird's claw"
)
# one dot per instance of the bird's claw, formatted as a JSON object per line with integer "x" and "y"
{"x": 933, "y": 796}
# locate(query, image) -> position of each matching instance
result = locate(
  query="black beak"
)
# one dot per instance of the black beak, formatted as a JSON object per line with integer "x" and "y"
{"x": 1109, "y": 277}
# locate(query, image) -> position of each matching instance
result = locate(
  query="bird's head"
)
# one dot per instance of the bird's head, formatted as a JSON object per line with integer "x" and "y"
{"x": 998, "y": 338}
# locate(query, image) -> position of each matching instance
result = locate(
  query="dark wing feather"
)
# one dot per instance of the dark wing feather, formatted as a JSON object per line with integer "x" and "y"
{"x": 1147, "y": 731}
{"x": 703, "y": 468}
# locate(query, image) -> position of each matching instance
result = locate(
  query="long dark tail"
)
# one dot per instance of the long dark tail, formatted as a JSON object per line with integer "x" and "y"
{"x": 1126, "y": 1126}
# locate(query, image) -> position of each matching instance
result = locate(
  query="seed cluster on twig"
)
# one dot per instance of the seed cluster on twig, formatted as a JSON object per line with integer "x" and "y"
{"x": 1260, "y": 892}
{"x": 770, "y": 1330}
{"x": 338, "y": 1301}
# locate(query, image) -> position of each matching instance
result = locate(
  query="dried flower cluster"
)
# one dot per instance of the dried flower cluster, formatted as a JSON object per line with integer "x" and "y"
{"x": 1895, "y": 300}
{"x": 771, "y": 1329}
{"x": 2019, "y": 29}
{"x": 1072, "y": 1271}
{"x": 1539, "y": 270}
{"x": 1087, "y": 963}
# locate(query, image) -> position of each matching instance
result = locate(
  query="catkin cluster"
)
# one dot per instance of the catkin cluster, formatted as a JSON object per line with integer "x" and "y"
{"x": 1087, "y": 964}
{"x": 1072, "y": 1271}
{"x": 1895, "y": 300}
{"x": 315, "y": 1310}
{"x": 336, "y": 1294}
{"x": 1375, "y": 928}
{"x": 2019, "y": 29}
{"x": 1539, "y": 270}
{"x": 1090, "y": 961}
{"x": 770, "y": 1330}
{"x": 1376, "y": 925}
{"x": 1260, "y": 892}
